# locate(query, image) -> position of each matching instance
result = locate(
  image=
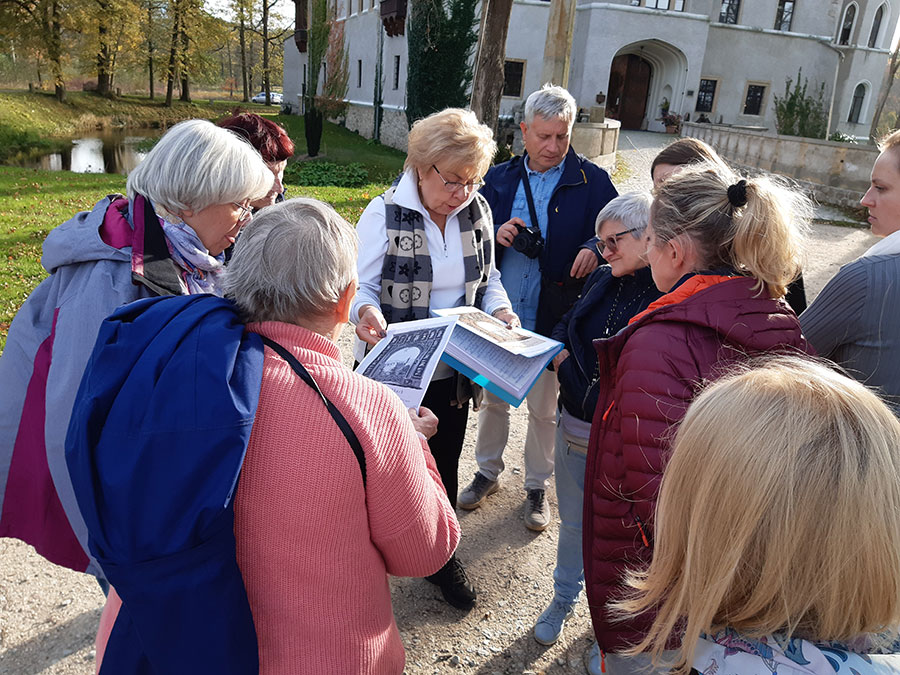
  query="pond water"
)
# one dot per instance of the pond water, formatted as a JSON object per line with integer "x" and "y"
{"x": 100, "y": 152}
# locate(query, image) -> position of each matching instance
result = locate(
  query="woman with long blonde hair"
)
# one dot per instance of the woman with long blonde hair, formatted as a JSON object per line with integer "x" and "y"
{"x": 722, "y": 249}
{"x": 778, "y": 528}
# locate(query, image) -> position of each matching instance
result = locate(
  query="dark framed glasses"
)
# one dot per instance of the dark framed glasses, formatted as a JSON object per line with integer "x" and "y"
{"x": 612, "y": 241}
{"x": 453, "y": 186}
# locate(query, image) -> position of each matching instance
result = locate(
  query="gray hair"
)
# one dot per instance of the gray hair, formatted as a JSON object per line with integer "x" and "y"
{"x": 197, "y": 164}
{"x": 551, "y": 102}
{"x": 293, "y": 260}
{"x": 631, "y": 209}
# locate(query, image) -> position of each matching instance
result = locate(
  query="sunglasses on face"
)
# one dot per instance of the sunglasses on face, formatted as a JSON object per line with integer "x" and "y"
{"x": 612, "y": 241}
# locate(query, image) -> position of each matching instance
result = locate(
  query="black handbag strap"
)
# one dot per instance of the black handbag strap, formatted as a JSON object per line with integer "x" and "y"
{"x": 336, "y": 415}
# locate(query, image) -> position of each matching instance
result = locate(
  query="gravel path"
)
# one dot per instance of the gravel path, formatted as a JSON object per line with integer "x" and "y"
{"x": 48, "y": 615}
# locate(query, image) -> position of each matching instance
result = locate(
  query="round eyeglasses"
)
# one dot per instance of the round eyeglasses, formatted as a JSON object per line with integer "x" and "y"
{"x": 454, "y": 186}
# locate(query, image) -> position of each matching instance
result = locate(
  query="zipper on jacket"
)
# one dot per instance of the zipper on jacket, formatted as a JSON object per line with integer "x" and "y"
{"x": 640, "y": 525}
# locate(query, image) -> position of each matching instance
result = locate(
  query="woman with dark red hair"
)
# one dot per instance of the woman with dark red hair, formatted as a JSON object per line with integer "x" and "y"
{"x": 273, "y": 144}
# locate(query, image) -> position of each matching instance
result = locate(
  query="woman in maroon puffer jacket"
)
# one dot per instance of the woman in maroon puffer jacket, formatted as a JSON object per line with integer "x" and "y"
{"x": 723, "y": 249}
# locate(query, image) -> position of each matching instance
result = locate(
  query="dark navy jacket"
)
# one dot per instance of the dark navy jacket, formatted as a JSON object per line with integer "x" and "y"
{"x": 583, "y": 190}
{"x": 579, "y": 386}
{"x": 155, "y": 444}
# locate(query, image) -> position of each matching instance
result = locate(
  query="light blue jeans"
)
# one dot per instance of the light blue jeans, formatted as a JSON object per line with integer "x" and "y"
{"x": 569, "y": 465}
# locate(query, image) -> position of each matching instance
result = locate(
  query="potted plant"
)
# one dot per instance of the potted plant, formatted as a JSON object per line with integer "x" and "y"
{"x": 672, "y": 122}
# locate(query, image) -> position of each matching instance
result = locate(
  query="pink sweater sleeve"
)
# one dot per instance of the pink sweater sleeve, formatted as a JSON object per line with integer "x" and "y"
{"x": 410, "y": 519}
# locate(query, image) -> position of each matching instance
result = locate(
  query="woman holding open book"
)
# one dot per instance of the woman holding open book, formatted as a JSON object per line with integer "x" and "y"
{"x": 428, "y": 243}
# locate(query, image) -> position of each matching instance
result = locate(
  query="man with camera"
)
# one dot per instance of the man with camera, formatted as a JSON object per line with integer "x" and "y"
{"x": 544, "y": 206}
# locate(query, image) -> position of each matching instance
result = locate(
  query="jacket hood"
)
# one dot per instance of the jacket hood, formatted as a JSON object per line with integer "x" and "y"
{"x": 731, "y": 308}
{"x": 78, "y": 240}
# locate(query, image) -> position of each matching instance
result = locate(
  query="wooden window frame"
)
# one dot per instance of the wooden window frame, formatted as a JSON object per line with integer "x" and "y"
{"x": 524, "y": 63}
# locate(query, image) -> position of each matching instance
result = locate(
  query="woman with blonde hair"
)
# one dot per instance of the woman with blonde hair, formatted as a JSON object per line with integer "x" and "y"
{"x": 428, "y": 243}
{"x": 723, "y": 249}
{"x": 777, "y": 529}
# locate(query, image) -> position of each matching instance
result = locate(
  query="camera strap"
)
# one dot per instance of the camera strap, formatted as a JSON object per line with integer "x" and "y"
{"x": 526, "y": 185}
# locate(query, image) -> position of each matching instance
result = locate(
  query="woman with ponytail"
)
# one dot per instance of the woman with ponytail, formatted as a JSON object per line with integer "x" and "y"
{"x": 722, "y": 249}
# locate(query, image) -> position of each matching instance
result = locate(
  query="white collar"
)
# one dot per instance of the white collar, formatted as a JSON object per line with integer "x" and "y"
{"x": 890, "y": 245}
{"x": 407, "y": 195}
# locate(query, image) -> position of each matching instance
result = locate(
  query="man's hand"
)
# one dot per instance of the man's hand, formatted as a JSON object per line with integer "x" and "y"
{"x": 370, "y": 328}
{"x": 509, "y": 317}
{"x": 559, "y": 358}
{"x": 424, "y": 421}
{"x": 508, "y": 231}
{"x": 585, "y": 263}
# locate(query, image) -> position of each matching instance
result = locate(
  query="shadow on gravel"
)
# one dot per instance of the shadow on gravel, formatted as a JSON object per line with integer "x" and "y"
{"x": 51, "y": 645}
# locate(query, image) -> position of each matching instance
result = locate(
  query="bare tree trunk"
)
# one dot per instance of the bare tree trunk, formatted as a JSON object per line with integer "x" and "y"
{"x": 893, "y": 65}
{"x": 54, "y": 49}
{"x": 185, "y": 82}
{"x": 487, "y": 86}
{"x": 173, "y": 51}
{"x": 265, "y": 50}
{"x": 242, "y": 32}
{"x": 150, "y": 45}
{"x": 103, "y": 51}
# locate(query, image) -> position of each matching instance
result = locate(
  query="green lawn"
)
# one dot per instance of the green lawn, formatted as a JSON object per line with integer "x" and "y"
{"x": 33, "y": 202}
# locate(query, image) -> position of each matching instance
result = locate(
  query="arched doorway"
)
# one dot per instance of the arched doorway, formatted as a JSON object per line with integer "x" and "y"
{"x": 646, "y": 77}
{"x": 629, "y": 84}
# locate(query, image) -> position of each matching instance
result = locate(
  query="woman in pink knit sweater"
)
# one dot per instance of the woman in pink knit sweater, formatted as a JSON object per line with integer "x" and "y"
{"x": 314, "y": 544}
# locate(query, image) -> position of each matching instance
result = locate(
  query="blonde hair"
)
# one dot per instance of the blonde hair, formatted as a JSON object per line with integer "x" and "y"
{"x": 889, "y": 142}
{"x": 779, "y": 511}
{"x": 453, "y": 138}
{"x": 763, "y": 238}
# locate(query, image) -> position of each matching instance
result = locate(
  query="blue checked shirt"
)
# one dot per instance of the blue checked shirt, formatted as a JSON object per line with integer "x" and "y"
{"x": 521, "y": 276}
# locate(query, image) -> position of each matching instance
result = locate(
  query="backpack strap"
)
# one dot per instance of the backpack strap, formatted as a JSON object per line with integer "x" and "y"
{"x": 336, "y": 415}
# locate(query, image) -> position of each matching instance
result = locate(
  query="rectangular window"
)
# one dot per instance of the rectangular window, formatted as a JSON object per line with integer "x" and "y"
{"x": 729, "y": 11}
{"x": 784, "y": 15}
{"x": 753, "y": 102}
{"x": 360, "y": 6}
{"x": 513, "y": 74}
{"x": 359, "y": 74}
{"x": 706, "y": 95}
{"x": 397, "y": 71}
{"x": 677, "y": 5}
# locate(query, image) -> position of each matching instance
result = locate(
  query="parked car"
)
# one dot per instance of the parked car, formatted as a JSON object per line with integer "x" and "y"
{"x": 274, "y": 97}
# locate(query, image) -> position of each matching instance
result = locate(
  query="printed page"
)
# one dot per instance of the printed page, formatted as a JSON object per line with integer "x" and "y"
{"x": 405, "y": 360}
{"x": 515, "y": 341}
{"x": 511, "y": 371}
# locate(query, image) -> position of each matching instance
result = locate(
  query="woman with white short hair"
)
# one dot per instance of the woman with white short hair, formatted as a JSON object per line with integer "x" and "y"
{"x": 186, "y": 203}
{"x": 337, "y": 487}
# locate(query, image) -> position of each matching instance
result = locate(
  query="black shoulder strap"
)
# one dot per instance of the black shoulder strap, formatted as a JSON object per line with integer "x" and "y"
{"x": 526, "y": 185}
{"x": 336, "y": 415}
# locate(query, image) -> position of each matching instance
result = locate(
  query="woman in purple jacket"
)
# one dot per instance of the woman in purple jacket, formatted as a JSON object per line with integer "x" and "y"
{"x": 723, "y": 250}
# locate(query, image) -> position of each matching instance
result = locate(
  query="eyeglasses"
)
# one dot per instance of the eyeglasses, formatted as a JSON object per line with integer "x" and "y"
{"x": 453, "y": 186}
{"x": 246, "y": 211}
{"x": 612, "y": 241}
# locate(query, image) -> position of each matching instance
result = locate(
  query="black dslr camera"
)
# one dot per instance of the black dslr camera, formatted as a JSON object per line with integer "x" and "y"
{"x": 528, "y": 241}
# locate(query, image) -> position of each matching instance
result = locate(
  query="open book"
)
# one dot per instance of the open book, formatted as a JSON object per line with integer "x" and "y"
{"x": 405, "y": 360}
{"x": 507, "y": 362}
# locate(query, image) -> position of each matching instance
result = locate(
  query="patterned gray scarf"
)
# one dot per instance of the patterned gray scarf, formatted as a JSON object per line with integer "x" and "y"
{"x": 407, "y": 274}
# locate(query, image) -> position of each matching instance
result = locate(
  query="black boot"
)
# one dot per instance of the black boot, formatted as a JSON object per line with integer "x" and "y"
{"x": 454, "y": 584}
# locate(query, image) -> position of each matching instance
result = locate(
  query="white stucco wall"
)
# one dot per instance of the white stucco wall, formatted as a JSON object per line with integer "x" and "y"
{"x": 683, "y": 47}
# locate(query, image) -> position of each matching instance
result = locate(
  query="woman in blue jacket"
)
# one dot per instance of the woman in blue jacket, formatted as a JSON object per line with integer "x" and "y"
{"x": 612, "y": 294}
